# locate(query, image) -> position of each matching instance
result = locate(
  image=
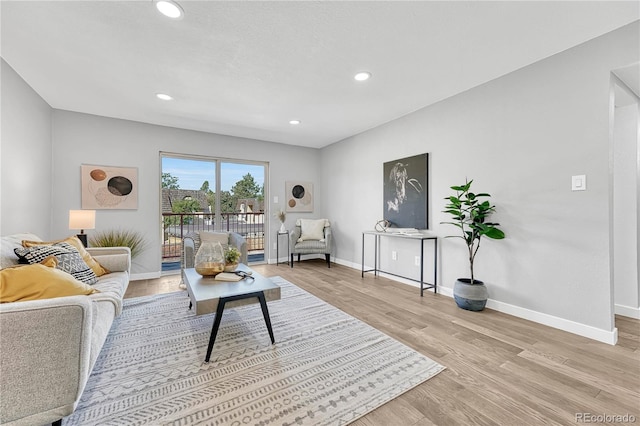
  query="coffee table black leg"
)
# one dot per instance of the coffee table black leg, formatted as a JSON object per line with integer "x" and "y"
{"x": 220, "y": 309}
{"x": 265, "y": 313}
{"x": 214, "y": 329}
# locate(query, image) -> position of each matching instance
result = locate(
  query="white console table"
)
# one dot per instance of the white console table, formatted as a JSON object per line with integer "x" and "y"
{"x": 421, "y": 237}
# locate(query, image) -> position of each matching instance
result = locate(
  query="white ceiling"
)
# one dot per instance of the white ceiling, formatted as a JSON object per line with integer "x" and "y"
{"x": 246, "y": 68}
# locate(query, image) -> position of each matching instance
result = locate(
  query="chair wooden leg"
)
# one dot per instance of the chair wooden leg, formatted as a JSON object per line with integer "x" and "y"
{"x": 57, "y": 423}
{"x": 328, "y": 257}
{"x": 298, "y": 257}
{"x": 292, "y": 260}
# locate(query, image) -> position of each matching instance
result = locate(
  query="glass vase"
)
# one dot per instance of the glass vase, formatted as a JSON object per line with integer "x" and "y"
{"x": 209, "y": 260}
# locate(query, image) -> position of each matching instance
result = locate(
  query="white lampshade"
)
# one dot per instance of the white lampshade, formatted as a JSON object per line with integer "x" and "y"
{"x": 82, "y": 219}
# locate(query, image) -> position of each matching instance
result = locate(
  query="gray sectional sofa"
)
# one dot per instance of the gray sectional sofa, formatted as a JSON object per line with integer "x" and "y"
{"x": 49, "y": 347}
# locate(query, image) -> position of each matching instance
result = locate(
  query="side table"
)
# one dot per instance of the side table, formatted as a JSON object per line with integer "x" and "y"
{"x": 278, "y": 235}
{"x": 420, "y": 237}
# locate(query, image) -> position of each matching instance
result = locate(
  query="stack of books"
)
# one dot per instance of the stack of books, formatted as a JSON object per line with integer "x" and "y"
{"x": 228, "y": 276}
{"x": 403, "y": 231}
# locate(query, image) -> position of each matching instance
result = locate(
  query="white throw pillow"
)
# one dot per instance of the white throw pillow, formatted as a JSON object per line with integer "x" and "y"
{"x": 311, "y": 229}
{"x": 10, "y": 242}
{"x": 215, "y": 237}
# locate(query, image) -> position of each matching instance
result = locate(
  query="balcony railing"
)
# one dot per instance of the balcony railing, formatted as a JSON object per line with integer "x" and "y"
{"x": 177, "y": 225}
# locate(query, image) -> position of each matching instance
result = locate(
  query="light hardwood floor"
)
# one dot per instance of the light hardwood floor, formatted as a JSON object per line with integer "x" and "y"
{"x": 501, "y": 370}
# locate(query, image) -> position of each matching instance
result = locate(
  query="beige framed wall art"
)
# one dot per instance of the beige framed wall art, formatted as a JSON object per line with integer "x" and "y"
{"x": 299, "y": 196}
{"x": 107, "y": 187}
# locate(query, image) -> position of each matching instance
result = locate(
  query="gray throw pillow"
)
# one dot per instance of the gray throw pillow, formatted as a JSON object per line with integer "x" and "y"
{"x": 69, "y": 260}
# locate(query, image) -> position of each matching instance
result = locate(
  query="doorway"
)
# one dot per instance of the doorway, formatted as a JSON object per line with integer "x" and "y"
{"x": 625, "y": 221}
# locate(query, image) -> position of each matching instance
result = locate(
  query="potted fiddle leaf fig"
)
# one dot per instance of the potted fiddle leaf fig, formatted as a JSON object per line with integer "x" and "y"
{"x": 469, "y": 213}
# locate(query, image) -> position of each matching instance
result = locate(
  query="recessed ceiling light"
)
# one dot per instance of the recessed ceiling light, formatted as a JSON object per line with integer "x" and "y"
{"x": 362, "y": 76}
{"x": 169, "y": 8}
{"x": 294, "y": 122}
{"x": 163, "y": 96}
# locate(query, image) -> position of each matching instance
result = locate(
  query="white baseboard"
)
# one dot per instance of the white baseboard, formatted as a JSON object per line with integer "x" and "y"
{"x": 145, "y": 276}
{"x": 628, "y": 311}
{"x": 382, "y": 274}
{"x": 605, "y": 336}
{"x": 346, "y": 263}
{"x": 280, "y": 260}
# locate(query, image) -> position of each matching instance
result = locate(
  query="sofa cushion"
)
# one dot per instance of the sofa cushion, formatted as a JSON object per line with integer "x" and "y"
{"x": 96, "y": 267}
{"x": 8, "y": 243}
{"x": 112, "y": 287}
{"x": 69, "y": 259}
{"x": 115, "y": 282}
{"x": 33, "y": 282}
{"x": 103, "y": 313}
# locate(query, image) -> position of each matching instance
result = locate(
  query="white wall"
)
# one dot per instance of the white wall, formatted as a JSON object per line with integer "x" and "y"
{"x": 42, "y": 150}
{"x": 625, "y": 211}
{"x": 521, "y": 138}
{"x": 25, "y": 158}
{"x": 88, "y": 139}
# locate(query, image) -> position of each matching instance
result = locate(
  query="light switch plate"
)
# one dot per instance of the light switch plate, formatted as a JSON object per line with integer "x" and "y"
{"x": 579, "y": 183}
{"x": 275, "y": 199}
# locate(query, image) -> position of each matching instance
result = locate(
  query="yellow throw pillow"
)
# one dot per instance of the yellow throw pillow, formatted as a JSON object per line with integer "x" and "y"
{"x": 97, "y": 268}
{"x": 50, "y": 261}
{"x": 34, "y": 282}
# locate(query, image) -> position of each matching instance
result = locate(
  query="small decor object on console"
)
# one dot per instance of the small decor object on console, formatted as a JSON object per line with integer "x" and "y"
{"x": 231, "y": 256}
{"x": 382, "y": 225}
{"x": 209, "y": 260}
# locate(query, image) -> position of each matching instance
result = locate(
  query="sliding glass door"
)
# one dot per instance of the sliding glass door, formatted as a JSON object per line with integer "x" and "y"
{"x": 206, "y": 193}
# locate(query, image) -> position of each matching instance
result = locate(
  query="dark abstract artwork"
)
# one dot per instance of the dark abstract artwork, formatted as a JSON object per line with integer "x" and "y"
{"x": 406, "y": 192}
{"x": 299, "y": 196}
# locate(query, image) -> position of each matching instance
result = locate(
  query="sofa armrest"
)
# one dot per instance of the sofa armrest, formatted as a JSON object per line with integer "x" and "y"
{"x": 100, "y": 251}
{"x": 115, "y": 259}
{"x": 46, "y": 346}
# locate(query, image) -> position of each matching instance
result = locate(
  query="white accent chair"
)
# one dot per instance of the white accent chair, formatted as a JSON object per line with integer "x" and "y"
{"x": 191, "y": 243}
{"x": 311, "y": 236}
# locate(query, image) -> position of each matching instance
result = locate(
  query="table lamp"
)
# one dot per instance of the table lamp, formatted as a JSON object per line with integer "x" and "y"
{"x": 82, "y": 219}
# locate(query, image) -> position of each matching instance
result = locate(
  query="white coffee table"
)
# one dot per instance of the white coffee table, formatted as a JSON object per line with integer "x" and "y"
{"x": 209, "y": 295}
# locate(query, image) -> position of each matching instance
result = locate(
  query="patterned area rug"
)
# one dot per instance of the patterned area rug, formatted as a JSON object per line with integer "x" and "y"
{"x": 326, "y": 367}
